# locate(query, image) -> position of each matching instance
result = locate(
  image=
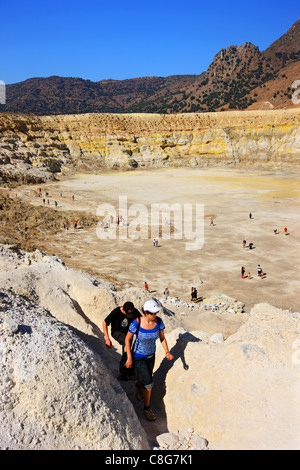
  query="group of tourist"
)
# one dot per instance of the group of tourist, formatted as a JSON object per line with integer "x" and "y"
{"x": 47, "y": 196}
{"x": 138, "y": 357}
{"x": 260, "y": 272}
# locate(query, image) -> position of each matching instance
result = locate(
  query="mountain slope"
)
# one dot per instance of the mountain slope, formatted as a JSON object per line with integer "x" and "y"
{"x": 230, "y": 82}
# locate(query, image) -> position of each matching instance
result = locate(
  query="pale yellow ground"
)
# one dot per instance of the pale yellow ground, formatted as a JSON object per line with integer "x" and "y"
{"x": 228, "y": 195}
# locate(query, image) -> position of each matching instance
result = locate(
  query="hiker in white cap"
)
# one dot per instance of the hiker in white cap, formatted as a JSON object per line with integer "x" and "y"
{"x": 147, "y": 332}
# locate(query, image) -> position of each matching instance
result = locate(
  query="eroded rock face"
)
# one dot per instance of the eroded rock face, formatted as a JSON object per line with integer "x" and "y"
{"x": 240, "y": 393}
{"x": 55, "y": 391}
{"x": 57, "y": 379}
{"x": 40, "y": 147}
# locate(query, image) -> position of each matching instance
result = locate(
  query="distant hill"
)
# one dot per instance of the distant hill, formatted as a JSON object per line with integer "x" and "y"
{"x": 238, "y": 78}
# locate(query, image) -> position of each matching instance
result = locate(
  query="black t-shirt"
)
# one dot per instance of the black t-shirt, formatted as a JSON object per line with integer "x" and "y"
{"x": 119, "y": 321}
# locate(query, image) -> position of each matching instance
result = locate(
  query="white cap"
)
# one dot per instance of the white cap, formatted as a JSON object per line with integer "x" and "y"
{"x": 151, "y": 306}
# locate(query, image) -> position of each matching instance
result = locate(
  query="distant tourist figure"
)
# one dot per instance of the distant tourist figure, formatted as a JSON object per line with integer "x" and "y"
{"x": 250, "y": 246}
{"x": 259, "y": 271}
{"x": 73, "y": 197}
{"x": 244, "y": 243}
{"x": 192, "y": 291}
{"x": 193, "y": 294}
{"x": 151, "y": 328}
{"x": 242, "y": 271}
{"x": 146, "y": 286}
{"x": 250, "y": 215}
{"x": 156, "y": 242}
{"x": 75, "y": 224}
{"x": 55, "y": 203}
{"x": 211, "y": 222}
{"x": 166, "y": 293}
{"x": 249, "y": 276}
{"x": 285, "y": 230}
{"x": 275, "y": 230}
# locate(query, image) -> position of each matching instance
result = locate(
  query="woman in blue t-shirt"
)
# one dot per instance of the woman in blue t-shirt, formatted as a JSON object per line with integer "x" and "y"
{"x": 148, "y": 331}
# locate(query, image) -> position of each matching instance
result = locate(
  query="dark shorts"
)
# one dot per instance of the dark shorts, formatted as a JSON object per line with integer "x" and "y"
{"x": 144, "y": 369}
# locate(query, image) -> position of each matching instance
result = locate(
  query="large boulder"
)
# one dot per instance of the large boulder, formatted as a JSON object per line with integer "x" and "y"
{"x": 241, "y": 393}
{"x": 55, "y": 391}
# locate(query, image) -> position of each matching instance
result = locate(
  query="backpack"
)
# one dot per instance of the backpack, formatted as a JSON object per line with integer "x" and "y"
{"x": 136, "y": 334}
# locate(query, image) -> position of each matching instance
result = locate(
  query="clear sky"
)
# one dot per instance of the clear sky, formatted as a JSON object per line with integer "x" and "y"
{"x": 121, "y": 39}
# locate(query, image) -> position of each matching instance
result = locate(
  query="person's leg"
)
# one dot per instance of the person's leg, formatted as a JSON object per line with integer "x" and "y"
{"x": 147, "y": 396}
{"x": 144, "y": 372}
{"x": 148, "y": 389}
{"x": 122, "y": 368}
{"x": 144, "y": 369}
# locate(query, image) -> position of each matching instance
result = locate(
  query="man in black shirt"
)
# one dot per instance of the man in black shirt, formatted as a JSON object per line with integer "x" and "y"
{"x": 120, "y": 318}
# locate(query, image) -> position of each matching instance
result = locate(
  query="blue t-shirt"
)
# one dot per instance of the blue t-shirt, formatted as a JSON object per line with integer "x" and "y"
{"x": 145, "y": 341}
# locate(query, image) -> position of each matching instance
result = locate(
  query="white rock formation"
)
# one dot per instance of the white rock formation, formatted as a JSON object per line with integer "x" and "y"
{"x": 242, "y": 393}
{"x": 57, "y": 383}
{"x": 55, "y": 391}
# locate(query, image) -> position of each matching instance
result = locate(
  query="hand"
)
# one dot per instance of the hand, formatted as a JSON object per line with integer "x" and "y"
{"x": 129, "y": 363}
{"x": 108, "y": 343}
{"x": 169, "y": 356}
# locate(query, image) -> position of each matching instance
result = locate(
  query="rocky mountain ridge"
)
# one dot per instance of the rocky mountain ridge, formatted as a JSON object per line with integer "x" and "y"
{"x": 228, "y": 83}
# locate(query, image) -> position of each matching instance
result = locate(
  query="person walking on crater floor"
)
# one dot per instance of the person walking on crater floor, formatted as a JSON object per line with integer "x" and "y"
{"x": 259, "y": 270}
{"x": 166, "y": 293}
{"x": 192, "y": 291}
{"x": 194, "y": 294}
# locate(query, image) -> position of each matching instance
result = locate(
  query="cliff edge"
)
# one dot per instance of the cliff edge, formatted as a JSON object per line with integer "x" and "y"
{"x": 34, "y": 149}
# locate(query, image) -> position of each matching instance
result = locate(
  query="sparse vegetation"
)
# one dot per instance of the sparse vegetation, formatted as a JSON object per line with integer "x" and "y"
{"x": 227, "y": 83}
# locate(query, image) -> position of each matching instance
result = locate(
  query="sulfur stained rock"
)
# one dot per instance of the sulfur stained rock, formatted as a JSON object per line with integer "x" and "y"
{"x": 47, "y": 144}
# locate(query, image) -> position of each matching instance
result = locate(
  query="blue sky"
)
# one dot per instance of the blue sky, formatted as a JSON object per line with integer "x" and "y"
{"x": 97, "y": 40}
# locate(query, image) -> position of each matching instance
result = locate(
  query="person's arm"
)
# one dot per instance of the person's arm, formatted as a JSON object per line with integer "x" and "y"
{"x": 128, "y": 339}
{"x": 164, "y": 343}
{"x": 106, "y": 335}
